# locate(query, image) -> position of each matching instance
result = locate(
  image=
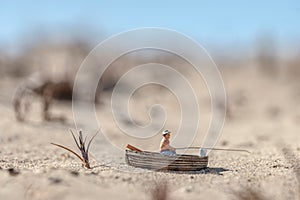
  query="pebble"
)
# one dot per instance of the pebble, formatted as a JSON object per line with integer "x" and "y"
{"x": 55, "y": 180}
{"x": 74, "y": 173}
{"x": 126, "y": 179}
{"x": 13, "y": 172}
{"x": 189, "y": 189}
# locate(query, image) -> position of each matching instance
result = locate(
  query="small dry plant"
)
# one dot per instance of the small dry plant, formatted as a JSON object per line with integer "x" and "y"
{"x": 81, "y": 144}
{"x": 160, "y": 191}
{"x": 249, "y": 194}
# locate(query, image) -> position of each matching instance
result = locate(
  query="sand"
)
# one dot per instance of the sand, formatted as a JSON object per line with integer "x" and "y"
{"x": 264, "y": 118}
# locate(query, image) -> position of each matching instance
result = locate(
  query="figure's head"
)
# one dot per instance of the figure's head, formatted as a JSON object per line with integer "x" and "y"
{"x": 166, "y": 134}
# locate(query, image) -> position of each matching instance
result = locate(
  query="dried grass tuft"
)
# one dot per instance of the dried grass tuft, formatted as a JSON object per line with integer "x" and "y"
{"x": 81, "y": 144}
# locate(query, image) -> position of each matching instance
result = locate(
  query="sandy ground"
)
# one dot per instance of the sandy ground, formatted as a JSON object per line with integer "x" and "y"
{"x": 264, "y": 117}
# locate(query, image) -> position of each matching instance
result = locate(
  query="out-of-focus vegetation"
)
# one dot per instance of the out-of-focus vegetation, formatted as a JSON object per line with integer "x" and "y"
{"x": 48, "y": 63}
{"x": 61, "y": 59}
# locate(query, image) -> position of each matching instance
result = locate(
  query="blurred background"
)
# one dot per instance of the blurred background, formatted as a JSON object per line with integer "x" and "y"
{"x": 255, "y": 44}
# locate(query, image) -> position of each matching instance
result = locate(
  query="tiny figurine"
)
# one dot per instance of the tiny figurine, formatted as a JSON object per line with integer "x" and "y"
{"x": 165, "y": 147}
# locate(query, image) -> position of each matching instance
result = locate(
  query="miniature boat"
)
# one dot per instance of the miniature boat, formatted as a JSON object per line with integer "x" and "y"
{"x": 157, "y": 161}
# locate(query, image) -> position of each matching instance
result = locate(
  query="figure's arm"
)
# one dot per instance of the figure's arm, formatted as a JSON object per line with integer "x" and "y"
{"x": 166, "y": 146}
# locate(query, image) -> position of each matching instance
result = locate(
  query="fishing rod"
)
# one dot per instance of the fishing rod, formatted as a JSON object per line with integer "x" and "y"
{"x": 215, "y": 149}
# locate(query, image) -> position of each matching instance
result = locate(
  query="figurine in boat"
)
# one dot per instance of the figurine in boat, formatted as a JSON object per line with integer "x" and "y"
{"x": 165, "y": 147}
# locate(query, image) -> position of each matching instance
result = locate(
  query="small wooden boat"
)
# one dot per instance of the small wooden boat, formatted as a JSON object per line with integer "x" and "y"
{"x": 157, "y": 161}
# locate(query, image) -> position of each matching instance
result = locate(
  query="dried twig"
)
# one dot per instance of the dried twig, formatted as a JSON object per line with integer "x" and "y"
{"x": 80, "y": 143}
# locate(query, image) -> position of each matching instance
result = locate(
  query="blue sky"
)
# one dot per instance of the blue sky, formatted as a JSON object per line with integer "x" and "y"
{"x": 206, "y": 21}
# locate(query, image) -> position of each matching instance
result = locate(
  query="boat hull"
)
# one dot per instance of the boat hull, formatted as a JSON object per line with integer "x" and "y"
{"x": 157, "y": 161}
